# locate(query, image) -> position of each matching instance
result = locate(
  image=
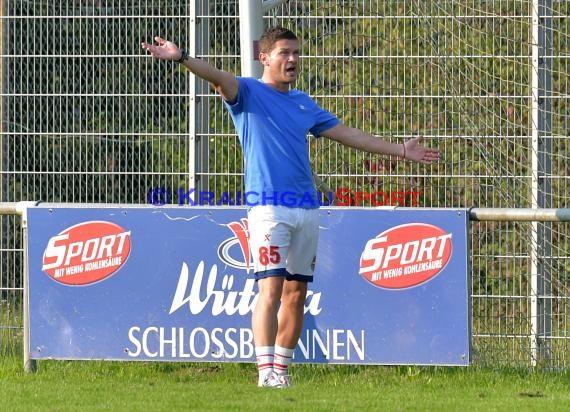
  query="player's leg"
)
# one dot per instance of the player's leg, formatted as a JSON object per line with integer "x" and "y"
{"x": 264, "y": 324}
{"x": 300, "y": 266}
{"x": 264, "y": 318}
{"x": 291, "y": 313}
{"x": 290, "y": 320}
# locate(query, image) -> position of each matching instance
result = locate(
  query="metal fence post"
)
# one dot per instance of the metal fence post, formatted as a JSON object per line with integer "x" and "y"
{"x": 541, "y": 185}
{"x": 22, "y": 209}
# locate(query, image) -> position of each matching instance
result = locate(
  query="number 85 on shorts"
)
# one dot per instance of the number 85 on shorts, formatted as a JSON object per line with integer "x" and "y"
{"x": 269, "y": 255}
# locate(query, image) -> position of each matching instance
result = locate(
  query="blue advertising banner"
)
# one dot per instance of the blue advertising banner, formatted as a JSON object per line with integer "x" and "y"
{"x": 176, "y": 284}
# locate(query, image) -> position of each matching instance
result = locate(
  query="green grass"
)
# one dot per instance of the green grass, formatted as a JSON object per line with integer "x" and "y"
{"x": 159, "y": 386}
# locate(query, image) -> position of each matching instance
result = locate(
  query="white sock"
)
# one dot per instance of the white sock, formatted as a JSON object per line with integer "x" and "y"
{"x": 282, "y": 359}
{"x": 265, "y": 356}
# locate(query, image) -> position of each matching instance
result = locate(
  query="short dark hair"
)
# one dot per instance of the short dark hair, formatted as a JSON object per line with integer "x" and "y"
{"x": 272, "y": 36}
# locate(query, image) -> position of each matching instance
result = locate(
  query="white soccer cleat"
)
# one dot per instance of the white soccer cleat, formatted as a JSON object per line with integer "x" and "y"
{"x": 272, "y": 380}
{"x": 285, "y": 380}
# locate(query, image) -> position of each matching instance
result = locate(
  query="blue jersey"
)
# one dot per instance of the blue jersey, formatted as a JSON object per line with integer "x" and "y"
{"x": 272, "y": 127}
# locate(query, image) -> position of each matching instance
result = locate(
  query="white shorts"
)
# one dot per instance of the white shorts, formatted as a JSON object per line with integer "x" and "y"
{"x": 283, "y": 241}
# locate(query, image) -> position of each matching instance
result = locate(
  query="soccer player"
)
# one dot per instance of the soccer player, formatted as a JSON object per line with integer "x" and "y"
{"x": 273, "y": 120}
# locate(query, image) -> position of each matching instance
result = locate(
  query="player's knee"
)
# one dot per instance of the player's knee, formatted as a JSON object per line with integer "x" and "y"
{"x": 294, "y": 298}
{"x": 270, "y": 291}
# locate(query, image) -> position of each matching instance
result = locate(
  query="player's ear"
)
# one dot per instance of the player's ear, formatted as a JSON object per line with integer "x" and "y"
{"x": 264, "y": 58}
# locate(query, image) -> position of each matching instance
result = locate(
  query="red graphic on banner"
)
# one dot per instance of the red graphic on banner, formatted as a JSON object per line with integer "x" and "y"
{"x": 227, "y": 249}
{"x": 86, "y": 253}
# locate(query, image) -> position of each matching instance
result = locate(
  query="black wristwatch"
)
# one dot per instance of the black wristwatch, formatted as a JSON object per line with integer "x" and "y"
{"x": 183, "y": 56}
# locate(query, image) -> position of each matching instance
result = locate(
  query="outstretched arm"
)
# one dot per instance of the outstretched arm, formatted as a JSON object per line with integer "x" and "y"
{"x": 224, "y": 82}
{"x": 410, "y": 149}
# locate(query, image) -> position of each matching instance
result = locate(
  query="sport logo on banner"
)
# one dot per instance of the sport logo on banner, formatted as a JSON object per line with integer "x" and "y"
{"x": 235, "y": 245}
{"x": 86, "y": 253}
{"x": 405, "y": 256}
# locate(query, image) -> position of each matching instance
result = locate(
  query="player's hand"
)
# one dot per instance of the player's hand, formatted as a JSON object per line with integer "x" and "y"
{"x": 419, "y": 153}
{"x": 166, "y": 50}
